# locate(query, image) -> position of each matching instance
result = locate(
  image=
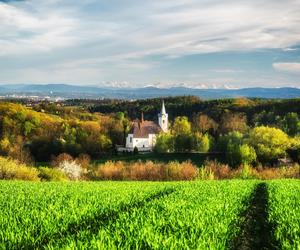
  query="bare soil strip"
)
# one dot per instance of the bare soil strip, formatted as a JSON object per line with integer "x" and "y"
{"x": 256, "y": 231}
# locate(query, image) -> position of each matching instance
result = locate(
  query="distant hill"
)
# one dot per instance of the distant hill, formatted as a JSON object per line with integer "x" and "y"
{"x": 72, "y": 91}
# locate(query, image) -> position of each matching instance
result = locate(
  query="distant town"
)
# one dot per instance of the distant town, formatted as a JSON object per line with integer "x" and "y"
{"x": 59, "y": 92}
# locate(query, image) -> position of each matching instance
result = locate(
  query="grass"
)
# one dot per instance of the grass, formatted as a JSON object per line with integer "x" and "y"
{"x": 284, "y": 212}
{"x": 36, "y": 214}
{"x": 198, "y": 215}
{"x": 145, "y": 215}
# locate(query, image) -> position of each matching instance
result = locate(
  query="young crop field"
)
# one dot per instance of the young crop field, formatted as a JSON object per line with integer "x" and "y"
{"x": 284, "y": 212}
{"x": 149, "y": 215}
{"x": 38, "y": 214}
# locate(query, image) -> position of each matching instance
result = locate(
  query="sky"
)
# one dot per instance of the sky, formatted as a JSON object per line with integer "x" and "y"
{"x": 134, "y": 43}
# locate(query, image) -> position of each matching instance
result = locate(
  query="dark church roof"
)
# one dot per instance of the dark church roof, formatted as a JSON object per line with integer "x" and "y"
{"x": 142, "y": 129}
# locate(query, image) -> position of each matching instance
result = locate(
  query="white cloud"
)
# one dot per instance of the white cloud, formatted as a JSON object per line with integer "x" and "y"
{"x": 170, "y": 28}
{"x": 289, "y": 49}
{"x": 100, "y": 40}
{"x": 23, "y": 32}
{"x": 290, "y": 67}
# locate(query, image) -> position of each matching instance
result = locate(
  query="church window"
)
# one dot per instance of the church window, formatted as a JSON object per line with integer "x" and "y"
{"x": 130, "y": 139}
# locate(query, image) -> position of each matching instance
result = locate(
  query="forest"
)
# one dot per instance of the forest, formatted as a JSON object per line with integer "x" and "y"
{"x": 243, "y": 131}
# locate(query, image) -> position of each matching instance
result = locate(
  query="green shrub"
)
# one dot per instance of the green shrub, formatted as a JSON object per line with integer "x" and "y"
{"x": 52, "y": 174}
{"x": 135, "y": 150}
{"x": 247, "y": 154}
{"x": 245, "y": 172}
{"x": 214, "y": 170}
{"x": 230, "y": 143}
{"x": 201, "y": 142}
{"x": 183, "y": 143}
{"x": 206, "y": 174}
{"x": 164, "y": 143}
{"x": 12, "y": 170}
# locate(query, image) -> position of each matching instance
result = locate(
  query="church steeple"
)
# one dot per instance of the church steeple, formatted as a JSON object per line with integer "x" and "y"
{"x": 163, "y": 118}
{"x": 163, "y": 109}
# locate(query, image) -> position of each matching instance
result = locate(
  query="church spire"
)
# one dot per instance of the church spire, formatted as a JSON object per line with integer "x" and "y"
{"x": 163, "y": 118}
{"x": 163, "y": 109}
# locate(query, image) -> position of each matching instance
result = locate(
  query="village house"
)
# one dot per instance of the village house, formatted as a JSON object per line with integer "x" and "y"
{"x": 143, "y": 133}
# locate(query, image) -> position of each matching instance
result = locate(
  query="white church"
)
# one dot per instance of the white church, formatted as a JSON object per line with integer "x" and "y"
{"x": 143, "y": 133}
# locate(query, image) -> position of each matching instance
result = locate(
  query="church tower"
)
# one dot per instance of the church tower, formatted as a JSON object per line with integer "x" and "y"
{"x": 163, "y": 118}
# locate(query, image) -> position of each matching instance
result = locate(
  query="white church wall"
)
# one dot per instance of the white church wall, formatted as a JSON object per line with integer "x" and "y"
{"x": 129, "y": 141}
{"x": 152, "y": 140}
{"x": 141, "y": 142}
{"x": 163, "y": 122}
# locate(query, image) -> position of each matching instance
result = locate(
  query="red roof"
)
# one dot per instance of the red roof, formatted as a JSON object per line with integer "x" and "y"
{"x": 144, "y": 128}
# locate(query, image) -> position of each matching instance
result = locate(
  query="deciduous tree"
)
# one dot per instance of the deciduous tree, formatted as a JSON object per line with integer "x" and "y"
{"x": 269, "y": 143}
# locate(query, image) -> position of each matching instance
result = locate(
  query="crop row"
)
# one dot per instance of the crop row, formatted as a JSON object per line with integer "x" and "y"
{"x": 199, "y": 215}
{"x": 35, "y": 214}
{"x": 140, "y": 215}
{"x": 284, "y": 212}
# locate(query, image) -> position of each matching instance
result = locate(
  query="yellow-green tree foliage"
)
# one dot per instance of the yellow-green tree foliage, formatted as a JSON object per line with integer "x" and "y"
{"x": 60, "y": 130}
{"x": 201, "y": 142}
{"x": 164, "y": 143}
{"x": 181, "y": 125}
{"x": 269, "y": 143}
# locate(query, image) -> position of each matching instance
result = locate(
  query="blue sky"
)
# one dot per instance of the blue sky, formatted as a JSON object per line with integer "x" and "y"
{"x": 196, "y": 43}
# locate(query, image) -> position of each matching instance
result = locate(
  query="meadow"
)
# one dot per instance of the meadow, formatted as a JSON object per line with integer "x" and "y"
{"x": 149, "y": 215}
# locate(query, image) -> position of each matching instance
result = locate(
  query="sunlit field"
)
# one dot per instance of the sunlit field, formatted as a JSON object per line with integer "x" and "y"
{"x": 145, "y": 215}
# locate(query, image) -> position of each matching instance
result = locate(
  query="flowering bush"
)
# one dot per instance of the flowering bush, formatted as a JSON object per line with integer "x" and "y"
{"x": 71, "y": 169}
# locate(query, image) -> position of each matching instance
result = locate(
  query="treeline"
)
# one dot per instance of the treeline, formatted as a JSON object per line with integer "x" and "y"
{"x": 28, "y": 135}
{"x": 245, "y": 131}
{"x": 240, "y": 144}
{"x": 255, "y": 110}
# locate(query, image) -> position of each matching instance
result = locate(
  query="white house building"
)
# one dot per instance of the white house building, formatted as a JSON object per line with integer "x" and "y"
{"x": 143, "y": 133}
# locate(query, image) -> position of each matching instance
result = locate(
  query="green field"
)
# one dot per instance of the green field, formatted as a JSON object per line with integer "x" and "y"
{"x": 147, "y": 215}
{"x": 284, "y": 212}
